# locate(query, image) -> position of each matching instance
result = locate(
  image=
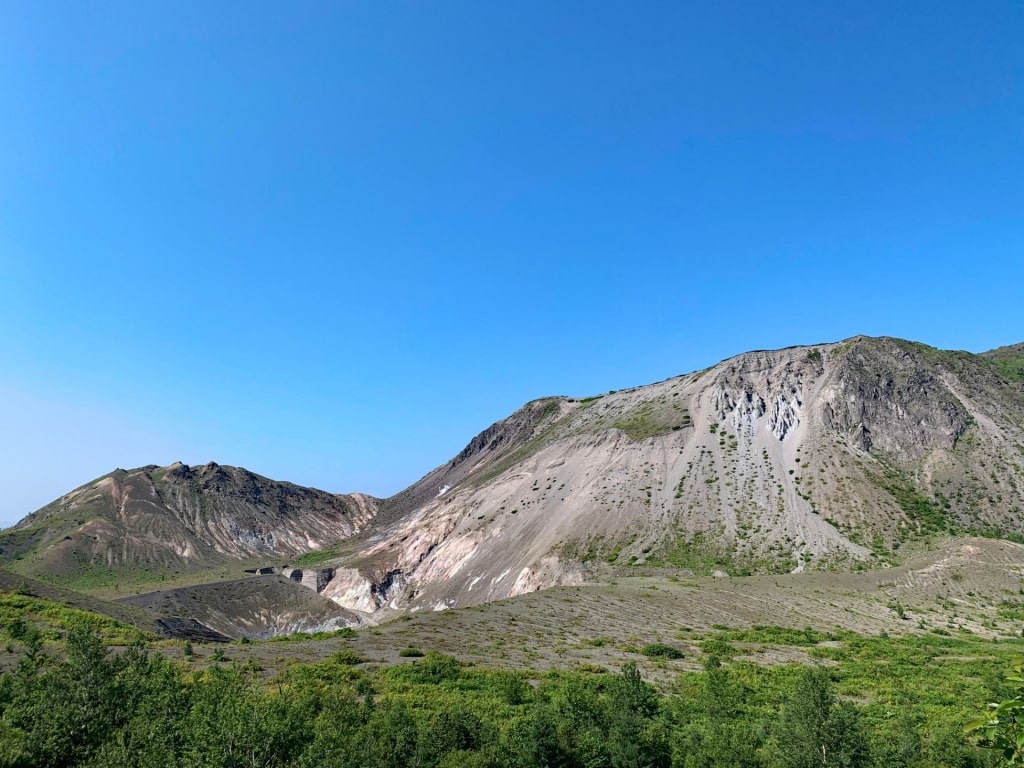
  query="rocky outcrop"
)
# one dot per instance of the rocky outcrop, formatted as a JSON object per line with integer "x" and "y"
{"x": 189, "y": 629}
{"x": 890, "y": 399}
{"x": 316, "y": 579}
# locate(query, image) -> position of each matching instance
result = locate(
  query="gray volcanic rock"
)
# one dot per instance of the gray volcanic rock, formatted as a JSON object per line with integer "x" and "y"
{"x": 892, "y": 402}
{"x": 258, "y": 608}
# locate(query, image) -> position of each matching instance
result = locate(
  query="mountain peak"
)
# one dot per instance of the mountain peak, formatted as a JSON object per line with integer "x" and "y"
{"x": 177, "y": 519}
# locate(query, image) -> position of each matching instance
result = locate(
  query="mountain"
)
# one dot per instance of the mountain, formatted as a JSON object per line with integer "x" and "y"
{"x": 833, "y": 456}
{"x": 147, "y": 524}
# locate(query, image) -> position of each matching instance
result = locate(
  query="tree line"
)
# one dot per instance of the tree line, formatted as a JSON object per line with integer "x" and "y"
{"x": 137, "y": 709}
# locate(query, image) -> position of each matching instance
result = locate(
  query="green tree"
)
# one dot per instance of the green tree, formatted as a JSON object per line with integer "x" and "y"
{"x": 232, "y": 723}
{"x": 62, "y": 715}
{"x": 389, "y": 739}
{"x": 712, "y": 730}
{"x": 816, "y": 731}
{"x": 455, "y": 730}
{"x": 533, "y": 741}
{"x": 157, "y": 700}
{"x": 336, "y": 729}
{"x": 635, "y": 739}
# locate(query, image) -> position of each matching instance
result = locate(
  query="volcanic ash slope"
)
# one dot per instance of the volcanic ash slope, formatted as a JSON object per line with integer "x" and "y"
{"x": 826, "y": 456}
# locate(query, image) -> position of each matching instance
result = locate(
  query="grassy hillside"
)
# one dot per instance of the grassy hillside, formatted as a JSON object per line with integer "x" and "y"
{"x": 1008, "y": 361}
{"x": 62, "y": 607}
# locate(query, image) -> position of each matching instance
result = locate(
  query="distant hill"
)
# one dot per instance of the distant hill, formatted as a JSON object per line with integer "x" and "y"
{"x": 1009, "y": 361}
{"x": 147, "y": 524}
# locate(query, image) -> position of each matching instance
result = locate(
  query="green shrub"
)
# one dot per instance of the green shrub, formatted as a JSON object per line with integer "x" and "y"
{"x": 715, "y": 647}
{"x": 347, "y": 658}
{"x": 434, "y": 668}
{"x": 661, "y": 651}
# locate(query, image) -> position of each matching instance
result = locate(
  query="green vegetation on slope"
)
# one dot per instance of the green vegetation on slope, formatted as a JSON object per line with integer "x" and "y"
{"x": 82, "y": 576}
{"x": 22, "y": 616}
{"x": 926, "y": 515}
{"x": 1009, "y": 365}
{"x": 35, "y": 600}
{"x": 653, "y": 417}
{"x": 314, "y": 557}
{"x": 704, "y": 554}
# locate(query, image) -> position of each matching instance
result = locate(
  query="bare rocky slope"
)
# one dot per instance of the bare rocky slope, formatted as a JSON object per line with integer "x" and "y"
{"x": 832, "y": 456}
{"x": 836, "y": 456}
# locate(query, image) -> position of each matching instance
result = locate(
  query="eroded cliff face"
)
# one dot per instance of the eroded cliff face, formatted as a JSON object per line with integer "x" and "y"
{"x": 887, "y": 400}
{"x": 769, "y": 461}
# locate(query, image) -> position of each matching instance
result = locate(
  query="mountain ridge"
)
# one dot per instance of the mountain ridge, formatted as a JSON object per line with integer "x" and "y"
{"x": 836, "y": 455}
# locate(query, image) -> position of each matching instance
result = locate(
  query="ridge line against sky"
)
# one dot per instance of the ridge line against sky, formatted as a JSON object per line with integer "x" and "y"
{"x": 332, "y": 243}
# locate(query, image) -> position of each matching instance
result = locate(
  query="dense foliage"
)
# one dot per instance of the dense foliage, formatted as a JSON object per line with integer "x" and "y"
{"x": 88, "y": 706}
{"x": 1001, "y": 728}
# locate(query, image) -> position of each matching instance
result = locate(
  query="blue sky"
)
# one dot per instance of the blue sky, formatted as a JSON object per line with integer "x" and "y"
{"x": 331, "y": 242}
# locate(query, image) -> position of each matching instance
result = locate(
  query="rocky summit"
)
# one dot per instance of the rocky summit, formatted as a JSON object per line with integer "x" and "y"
{"x": 842, "y": 456}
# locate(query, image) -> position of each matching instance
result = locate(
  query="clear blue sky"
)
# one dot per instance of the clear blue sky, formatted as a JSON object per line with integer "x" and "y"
{"x": 331, "y": 242}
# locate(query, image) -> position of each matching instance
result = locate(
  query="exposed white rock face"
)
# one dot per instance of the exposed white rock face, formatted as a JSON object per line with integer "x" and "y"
{"x": 351, "y": 589}
{"x": 784, "y": 416}
{"x": 449, "y": 558}
{"x": 747, "y": 414}
{"x": 548, "y": 572}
